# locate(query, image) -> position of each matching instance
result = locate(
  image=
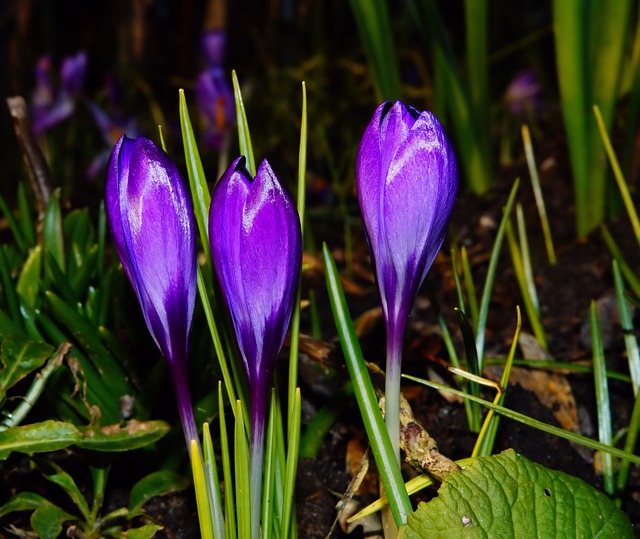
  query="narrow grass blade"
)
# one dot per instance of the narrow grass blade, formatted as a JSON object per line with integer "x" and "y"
{"x": 626, "y": 321}
{"x": 241, "y": 461}
{"x": 469, "y": 285}
{"x": 213, "y": 483}
{"x": 200, "y": 486}
{"x": 269, "y": 472}
{"x": 602, "y": 400}
{"x": 444, "y": 329}
{"x": 456, "y": 279}
{"x": 225, "y": 457}
{"x": 15, "y": 228}
{"x": 472, "y": 410}
{"x": 52, "y": 237}
{"x": 373, "y": 21}
{"x": 537, "y": 192}
{"x": 469, "y": 131}
{"x": 11, "y": 300}
{"x": 629, "y": 446}
{"x": 487, "y": 436}
{"x": 531, "y": 422}
{"x": 25, "y": 216}
{"x": 294, "y": 327}
{"x": 617, "y": 173}
{"x": 244, "y": 138}
{"x": 197, "y": 179}
{"x": 526, "y": 285}
{"x": 491, "y": 275}
{"x": 291, "y": 467}
{"x": 371, "y": 416}
{"x": 629, "y": 274}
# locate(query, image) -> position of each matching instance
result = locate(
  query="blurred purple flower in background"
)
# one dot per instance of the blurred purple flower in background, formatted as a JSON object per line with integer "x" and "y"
{"x": 256, "y": 247}
{"x": 524, "y": 93}
{"x": 51, "y": 105}
{"x": 150, "y": 215}
{"x": 214, "y": 94}
{"x": 111, "y": 126}
{"x": 406, "y": 182}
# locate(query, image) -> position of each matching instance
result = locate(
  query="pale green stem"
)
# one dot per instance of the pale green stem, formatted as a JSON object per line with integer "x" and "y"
{"x": 395, "y": 333}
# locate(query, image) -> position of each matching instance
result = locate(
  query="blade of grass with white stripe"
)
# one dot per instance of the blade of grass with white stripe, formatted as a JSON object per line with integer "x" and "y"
{"x": 269, "y": 472}
{"x": 288, "y": 519}
{"x": 483, "y": 313}
{"x": 225, "y": 457}
{"x": 537, "y": 192}
{"x": 525, "y": 285}
{"x": 531, "y": 422}
{"x": 213, "y": 482}
{"x": 626, "y": 321}
{"x": 603, "y": 406}
{"x": 381, "y": 447}
{"x": 241, "y": 467}
{"x": 456, "y": 279}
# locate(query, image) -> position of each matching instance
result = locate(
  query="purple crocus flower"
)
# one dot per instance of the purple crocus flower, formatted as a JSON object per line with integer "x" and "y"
{"x": 524, "y": 93}
{"x": 406, "y": 181}
{"x": 256, "y": 246}
{"x": 150, "y": 215}
{"x": 51, "y": 106}
{"x": 213, "y": 92}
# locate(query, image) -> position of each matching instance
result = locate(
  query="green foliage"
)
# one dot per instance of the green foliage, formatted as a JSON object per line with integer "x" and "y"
{"x": 48, "y": 519}
{"x": 53, "y": 435}
{"x": 507, "y": 495}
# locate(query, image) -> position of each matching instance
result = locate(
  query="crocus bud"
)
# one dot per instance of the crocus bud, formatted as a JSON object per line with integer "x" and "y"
{"x": 150, "y": 215}
{"x": 256, "y": 246}
{"x": 406, "y": 181}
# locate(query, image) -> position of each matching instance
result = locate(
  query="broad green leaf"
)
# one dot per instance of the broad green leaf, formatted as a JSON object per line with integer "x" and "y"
{"x": 47, "y": 521}
{"x": 155, "y": 484}
{"x": 29, "y": 280}
{"x": 507, "y": 495}
{"x": 20, "y": 356}
{"x": 38, "y": 437}
{"x": 58, "y": 476}
{"x": 143, "y": 532}
{"x": 23, "y": 501}
{"x": 133, "y": 435}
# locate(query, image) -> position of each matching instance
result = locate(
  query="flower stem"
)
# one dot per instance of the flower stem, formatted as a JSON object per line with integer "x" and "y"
{"x": 395, "y": 332}
{"x": 256, "y": 458}
{"x": 185, "y": 407}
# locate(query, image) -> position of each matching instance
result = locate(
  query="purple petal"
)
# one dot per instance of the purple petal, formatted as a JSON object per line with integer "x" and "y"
{"x": 72, "y": 73}
{"x": 256, "y": 247}
{"x": 151, "y": 218}
{"x": 213, "y": 46}
{"x": 406, "y": 180}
